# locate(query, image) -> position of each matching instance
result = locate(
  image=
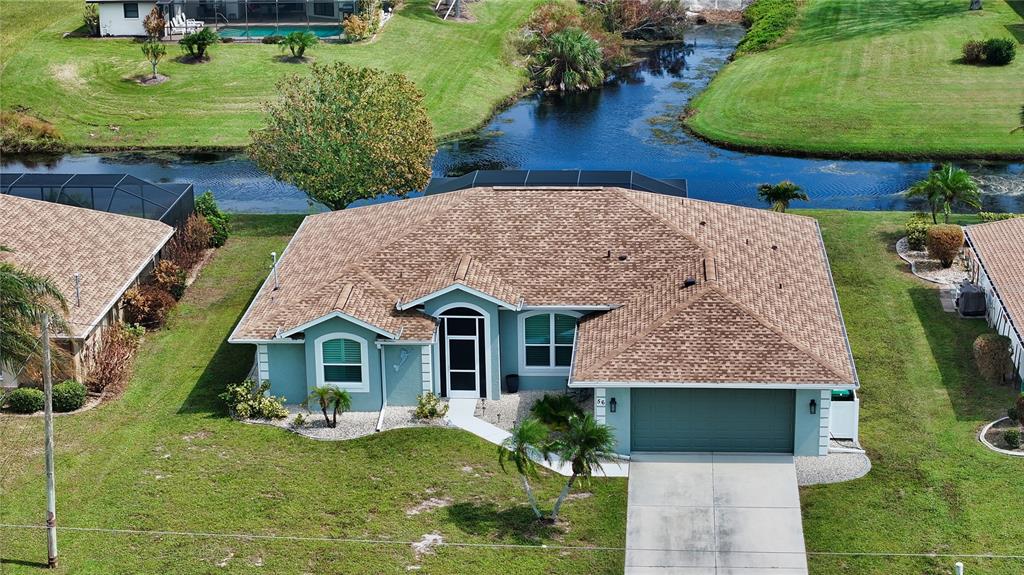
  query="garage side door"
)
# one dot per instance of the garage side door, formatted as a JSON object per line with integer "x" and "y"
{"x": 712, "y": 420}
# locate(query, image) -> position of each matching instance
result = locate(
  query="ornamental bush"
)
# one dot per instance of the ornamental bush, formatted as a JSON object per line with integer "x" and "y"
{"x": 992, "y": 356}
{"x": 768, "y": 21}
{"x": 999, "y": 51}
{"x": 206, "y": 206}
{"x": 997, "y": 216}
{"x": 68, "y": 396}
{"x": 170, "y": 278}
{"x": 187, "y": 245}
{"x": 944, "y": 242}
{"x": 114, "y": 361}
{"x": 973, "y": 52}
{"x": 272, "y": 39}
{"x": 355, "y": 28}
{"x": 1012, "y": 438}
{"x": 917, "y": 231}
{"x": 147, "y": 305}
{"x": 25, "y": 400}
{"x": 249, "y": 400}
{"x": 197, "y": 43}
{"x": 428, "y": 406}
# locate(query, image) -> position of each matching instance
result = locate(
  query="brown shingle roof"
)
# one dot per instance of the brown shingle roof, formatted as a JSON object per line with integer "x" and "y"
{"x": 1000, "y": 246}
{"x": 592, "y": 247}
{"x": 58, "y": 241}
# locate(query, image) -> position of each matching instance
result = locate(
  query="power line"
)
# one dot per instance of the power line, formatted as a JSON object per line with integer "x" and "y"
{"x": 523, "y": 546}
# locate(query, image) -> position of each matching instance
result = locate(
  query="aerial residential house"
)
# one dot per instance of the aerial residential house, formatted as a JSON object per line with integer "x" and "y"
{"x": 93, "y": 257}
{"x": 696, "y": 326}
{"x": 996, "y": 257}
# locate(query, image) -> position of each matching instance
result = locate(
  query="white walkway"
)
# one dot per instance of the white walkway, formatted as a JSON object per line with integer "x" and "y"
{"x": 461, "y": 414}
{"x": 714, "y": 514}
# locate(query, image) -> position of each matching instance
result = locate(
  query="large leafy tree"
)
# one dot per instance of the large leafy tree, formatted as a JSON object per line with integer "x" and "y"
{"x": 24, "y": 298}
{"x": 583, "y": 445}
{"x": 344, "y": 134}
{"x": 569, "y": 61}
{"x": 528, "y": 437}
{"x": 945, "y": 188}
{"x": 778, "y": 196}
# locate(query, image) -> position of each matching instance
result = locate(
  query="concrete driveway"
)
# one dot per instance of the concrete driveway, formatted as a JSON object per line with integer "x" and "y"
{"x": 714, "y": 514}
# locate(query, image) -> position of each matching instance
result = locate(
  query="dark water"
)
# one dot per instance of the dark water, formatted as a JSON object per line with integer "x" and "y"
{"x": 631, "y": 124}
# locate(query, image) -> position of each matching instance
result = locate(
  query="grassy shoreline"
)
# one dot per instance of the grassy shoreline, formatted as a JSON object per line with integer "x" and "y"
{"x": 869, "y": 80}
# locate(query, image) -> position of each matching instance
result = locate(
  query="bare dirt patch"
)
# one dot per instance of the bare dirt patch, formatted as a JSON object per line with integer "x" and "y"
{"x": 67, "y": 75}
{"x": 428, "y": 505}
{"x": 150, "y": 80}
{"x": 427, "y": 544}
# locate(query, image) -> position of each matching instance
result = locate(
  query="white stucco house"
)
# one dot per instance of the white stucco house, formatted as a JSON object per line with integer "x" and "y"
{"x": 119, "y": 18}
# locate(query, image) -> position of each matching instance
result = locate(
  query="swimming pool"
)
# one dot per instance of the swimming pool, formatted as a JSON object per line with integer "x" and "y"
{"x": 262, "y": 31}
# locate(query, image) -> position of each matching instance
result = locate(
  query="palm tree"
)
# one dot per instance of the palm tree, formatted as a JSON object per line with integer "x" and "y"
{"x": 947, "y": 187}
{"x": 298, "y": 42}
{"x": 583, "y": 445}
{"x": 779, "y": 195}
{"x": 526, "y": 437}
{"x": 324, "y": 397}
{"x": 24, "y": 298}
{"x": 340, "y": 401}
{"x": 569, "y": 61}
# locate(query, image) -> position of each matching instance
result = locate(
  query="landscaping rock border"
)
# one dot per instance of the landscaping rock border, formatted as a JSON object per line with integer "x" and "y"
{"x": 836, "y": 467}
{"x": 988, "y": 444}
{"x": 351, "y": 425}
{"x": 950, "y": 276}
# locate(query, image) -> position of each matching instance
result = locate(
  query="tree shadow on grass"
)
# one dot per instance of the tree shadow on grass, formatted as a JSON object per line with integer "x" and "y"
{"x": 516, "y": 524}
{"x": 880, "y": 19}
{"x": 951, "y": 341}
{"x": 22, "y": 562}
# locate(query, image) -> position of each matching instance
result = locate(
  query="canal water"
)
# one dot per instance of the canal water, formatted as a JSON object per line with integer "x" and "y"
{"x": 630, "y": 124}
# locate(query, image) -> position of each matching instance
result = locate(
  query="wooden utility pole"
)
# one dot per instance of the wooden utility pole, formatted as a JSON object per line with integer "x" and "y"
{"x": 51, "y": 490}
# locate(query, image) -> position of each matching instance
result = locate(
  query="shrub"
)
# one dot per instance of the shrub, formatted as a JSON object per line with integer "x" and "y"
{"x": 113, "y": 364}
{"x": 248, "y": 400}
{"x": 997, "y": 216}
{"x": 769, "y": 20}
{"x": 973, "y": 52}
{"x": 298, "y": 42}
{"x": 22, "y": 133}
{"x": 206, "y": 206}
{"x": 554, "y": 410}
{"x": 429, "y": 406}
{"x": 147, "y": 305}
{"x": 355, "y": 28}
{"x": 917, "y": 231}
{"x": 189, "y": 241}
{"x": 272, "y": 39}
{"x": 197, "y": 43}
{"x": 68, "y": 396}
{"x": 551, "y": 18}
{"x": 91, "y": 19}
{"x": 154, "y": 23}
{"x": 1013, "y": 413}
{"x": 992, "y": 356}
{"x": 299, "y": 422}
{"x": 170, "y": 278}
{"x": 25, "y": 400}
{"x": 999, "y": 51}
{"x": 1020, "y": 408}
{"x": 1012, "y": 438}
{"x": 944, "y": 242}
{"x": 642, "y": 19}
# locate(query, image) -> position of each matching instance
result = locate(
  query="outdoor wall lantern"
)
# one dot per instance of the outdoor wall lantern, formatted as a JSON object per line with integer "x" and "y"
{"x": 612, "y": 405}
{"x": 814, "y": 407}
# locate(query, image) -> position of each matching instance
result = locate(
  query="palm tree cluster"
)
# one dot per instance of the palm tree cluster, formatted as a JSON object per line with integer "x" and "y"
{"x": 298, "y": 42}
{"x": 583, "y": 444}
{"x": 945, "y": 188}
{"x": 569, "y": 61}
{"x": 331, "y": 398}
{"x": 24, "y": 299}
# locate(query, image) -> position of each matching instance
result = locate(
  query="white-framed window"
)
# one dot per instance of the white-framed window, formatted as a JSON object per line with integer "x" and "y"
{"x": 342, "y": 362}
{"x": 545, "y": 342}
{"x": 131, "y": 10}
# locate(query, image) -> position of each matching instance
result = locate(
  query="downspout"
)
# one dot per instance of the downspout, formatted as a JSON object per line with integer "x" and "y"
{"x": 383, "y": 388}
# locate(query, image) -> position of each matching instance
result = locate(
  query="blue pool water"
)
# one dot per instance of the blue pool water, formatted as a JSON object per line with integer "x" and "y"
{"x": 260, "y": 31}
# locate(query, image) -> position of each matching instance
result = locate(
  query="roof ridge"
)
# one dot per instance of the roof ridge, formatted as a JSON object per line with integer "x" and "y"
{"x": 670, "y": 312}
{"x": 768, "y": 325}
{"x": 705, "y": 250}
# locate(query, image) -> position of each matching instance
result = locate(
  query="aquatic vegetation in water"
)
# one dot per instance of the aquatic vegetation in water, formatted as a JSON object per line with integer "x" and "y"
{"x": 681, "y": 86}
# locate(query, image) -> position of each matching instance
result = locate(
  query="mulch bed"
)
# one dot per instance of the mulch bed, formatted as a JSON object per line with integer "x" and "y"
{"x": 995, "y": 435}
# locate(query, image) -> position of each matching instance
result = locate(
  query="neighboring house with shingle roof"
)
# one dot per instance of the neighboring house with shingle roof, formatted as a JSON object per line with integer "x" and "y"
{"x": 997, "y": 266}
{"x": 92, "y": 256}
{"x": 699, "y": 326}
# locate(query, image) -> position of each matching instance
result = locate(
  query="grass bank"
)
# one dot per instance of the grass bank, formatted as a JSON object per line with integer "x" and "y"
{"x": 862, "y": 78}
{"x": 166, "y": 457}
{"x": 84, "y": 86}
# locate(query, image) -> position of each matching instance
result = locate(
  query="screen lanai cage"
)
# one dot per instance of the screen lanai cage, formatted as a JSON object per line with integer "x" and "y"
{"x": 257, "y": 19}
{"x": 122, "y": 194}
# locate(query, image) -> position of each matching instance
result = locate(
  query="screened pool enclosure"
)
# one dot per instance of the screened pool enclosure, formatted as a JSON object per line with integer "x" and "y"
{"x": 122, "y": 194}
{"x": 255, "y": 19}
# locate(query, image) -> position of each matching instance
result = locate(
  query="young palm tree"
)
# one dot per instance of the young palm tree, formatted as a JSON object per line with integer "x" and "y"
{"x": 24, "y": 297}
{"x": 570, "y": 61}
{"x": 340, "y": 401}
{"x": 526, "y": 437}
{"x": 324, "y": 397}
{"x": 583, "y": 446}
{"x": 945, "y": 188}
{"x": 778, "y": 196}
{"x": 298, "y": 42}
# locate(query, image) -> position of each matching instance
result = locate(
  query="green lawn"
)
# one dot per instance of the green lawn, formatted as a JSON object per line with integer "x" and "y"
{"x": 84, "y": 86}
{"x": 165, "y": 456}
{"x": 874, "y": 78}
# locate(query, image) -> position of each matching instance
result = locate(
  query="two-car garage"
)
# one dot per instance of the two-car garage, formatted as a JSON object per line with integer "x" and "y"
{"x": 697, "y": 419}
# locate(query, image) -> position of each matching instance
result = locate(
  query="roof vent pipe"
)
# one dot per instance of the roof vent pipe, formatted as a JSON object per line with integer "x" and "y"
{"x": 78, "y": 289}
{"x": 273, "y": 267}
{"x": 689, "y": 282}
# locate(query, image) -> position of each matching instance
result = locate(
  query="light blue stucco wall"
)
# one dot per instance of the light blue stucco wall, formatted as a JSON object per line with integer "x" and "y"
{"x": 509, "y": 332}
{"x": 403, "y": 373}
{"x": 619, "y": 421}
{"x": 806, "y": 427}
{"x": 490, "y": 311}
{"x": 361, "y": 400}
{"x": 287, "y": 366}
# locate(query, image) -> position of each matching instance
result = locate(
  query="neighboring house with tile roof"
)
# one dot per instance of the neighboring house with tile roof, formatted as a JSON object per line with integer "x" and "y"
{"x": 92, "y": 256}
{"x": 698, "y": 326}
{"x": 996, "y": 256}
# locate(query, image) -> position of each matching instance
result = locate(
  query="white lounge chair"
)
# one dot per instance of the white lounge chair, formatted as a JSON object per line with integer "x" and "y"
{"x": 181, "y": 25}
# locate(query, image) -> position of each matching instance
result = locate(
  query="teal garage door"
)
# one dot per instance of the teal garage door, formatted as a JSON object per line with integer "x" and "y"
{"x": 712, "y": 420}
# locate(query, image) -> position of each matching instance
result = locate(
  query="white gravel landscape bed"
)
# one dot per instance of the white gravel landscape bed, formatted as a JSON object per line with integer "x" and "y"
{"x": 351, "y": 425}
{"x": 929, "y": 269}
